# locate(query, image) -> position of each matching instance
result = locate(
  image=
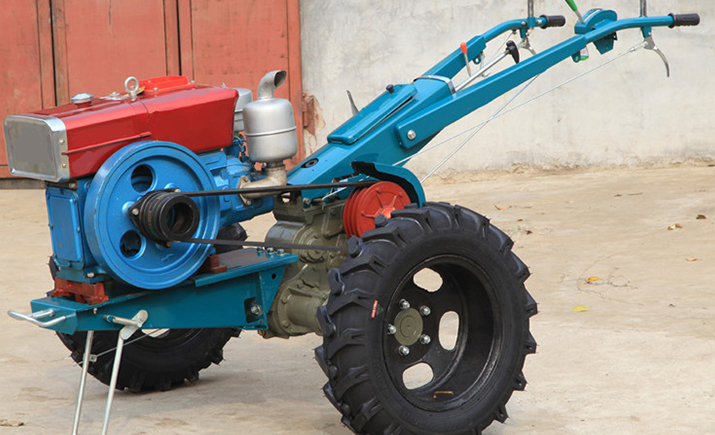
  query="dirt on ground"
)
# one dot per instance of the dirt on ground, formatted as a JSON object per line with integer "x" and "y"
{"x": 622, "y": 264}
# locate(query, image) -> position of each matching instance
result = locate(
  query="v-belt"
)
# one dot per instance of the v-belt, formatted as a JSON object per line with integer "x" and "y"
{"x": 277, "y": 190}
{"x": 274, "y": 190}
{"x": 266, "y": 244}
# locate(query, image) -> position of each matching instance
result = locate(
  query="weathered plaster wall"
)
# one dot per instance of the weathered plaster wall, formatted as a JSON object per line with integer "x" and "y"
{"x": 626, "y": 113}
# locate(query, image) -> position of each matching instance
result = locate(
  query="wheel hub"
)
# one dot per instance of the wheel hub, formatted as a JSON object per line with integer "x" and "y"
{"x": 408, "y": 325}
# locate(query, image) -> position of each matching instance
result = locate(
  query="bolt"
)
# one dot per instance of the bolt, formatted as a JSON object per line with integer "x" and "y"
{"x": 404, "y": 350}
{"x": 281, "y": 251}
{"x": 425, "y": 310}
{"x": 135, "y": 212}
{"x": 404, "y": 304}
{"x": 306, "y": 201}
{"x": 411, "y": 135}
{"x": 425, "y": 339}
{"x": 90, "y": 275}
{"x": 256, "y": 310}
{"x": 391, "y": 329}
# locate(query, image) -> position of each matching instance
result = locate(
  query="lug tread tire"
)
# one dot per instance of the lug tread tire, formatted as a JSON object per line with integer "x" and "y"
{"x": 155, "y": 368}
{"x": 346, "y": 350}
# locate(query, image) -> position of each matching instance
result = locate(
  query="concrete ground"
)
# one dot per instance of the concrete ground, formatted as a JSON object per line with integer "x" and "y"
{"x": 639, "y": 360}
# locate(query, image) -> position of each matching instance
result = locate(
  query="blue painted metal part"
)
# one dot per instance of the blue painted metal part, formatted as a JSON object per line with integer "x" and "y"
{"x": 372, "y": 115}
{"x": 432, "y": 119}
{"x": 227, "y": 169}
{"x": 593, "y": 20}
{"x": 211, "y": 300}
{"x": 434, "y": 105}
{"x": 121, "y": 181}
{"x": 66, "y": 208}
{"x": 377, "y": 145}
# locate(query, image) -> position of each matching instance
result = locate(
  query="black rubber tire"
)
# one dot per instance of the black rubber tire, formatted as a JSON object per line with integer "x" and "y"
{"x": 481, "y": 280}
{"x": 153, "y": 363}
{"x": 156, "y": 363}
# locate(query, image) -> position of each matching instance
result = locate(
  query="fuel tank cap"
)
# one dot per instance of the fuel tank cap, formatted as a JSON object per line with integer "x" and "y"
{"x": 81, "y": 98}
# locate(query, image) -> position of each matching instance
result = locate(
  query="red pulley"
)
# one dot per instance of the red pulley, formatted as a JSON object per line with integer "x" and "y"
{"x": 365, "y": 204}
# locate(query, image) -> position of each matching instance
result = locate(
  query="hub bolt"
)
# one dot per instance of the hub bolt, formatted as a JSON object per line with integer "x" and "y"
{"x": 404, "y": 350}
{"x": 135, "y": 212}
{"x": 391, "y": 329}
{"x": 425, "y": 339}
{"x": 404, "y": 304}
{"x": 425, "y": 310}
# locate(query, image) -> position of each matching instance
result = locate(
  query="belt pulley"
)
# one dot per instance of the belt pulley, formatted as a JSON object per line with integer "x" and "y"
{"x": 170, "y": 216}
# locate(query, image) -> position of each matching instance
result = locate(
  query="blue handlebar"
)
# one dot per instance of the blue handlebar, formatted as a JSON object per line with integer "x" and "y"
{"x": 429, "y": 121}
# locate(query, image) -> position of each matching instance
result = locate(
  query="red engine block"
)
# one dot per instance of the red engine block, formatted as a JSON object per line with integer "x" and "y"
{"x": 173, "y": 109}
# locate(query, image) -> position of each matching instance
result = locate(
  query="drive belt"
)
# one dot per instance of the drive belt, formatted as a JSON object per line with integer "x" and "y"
{"x": 266, "y": 244}
{"x": 276, "y": 190}
{"x": 282, "y": 189}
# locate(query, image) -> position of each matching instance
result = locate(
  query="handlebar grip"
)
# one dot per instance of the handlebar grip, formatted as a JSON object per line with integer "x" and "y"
{"x": 553, "y": 21}
{"x": 684, "y": 20}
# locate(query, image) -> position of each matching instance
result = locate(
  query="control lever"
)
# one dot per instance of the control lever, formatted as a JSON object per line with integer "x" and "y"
{"x": 648, "y": 39}
{"x": 526, "y": 45}
{"x": 650, "y": 45}
{"x": 463, "y": 47}
{"x": 574, "y": 8}
{"x": 511, "y": 50}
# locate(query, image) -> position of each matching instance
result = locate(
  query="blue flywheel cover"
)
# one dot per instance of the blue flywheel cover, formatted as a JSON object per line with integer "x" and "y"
{"x": 118, "y": 246}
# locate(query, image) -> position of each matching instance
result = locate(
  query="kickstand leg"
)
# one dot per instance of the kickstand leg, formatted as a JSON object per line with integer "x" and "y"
{"x": 82, "y": 380}
{"x": 113, "y": 383}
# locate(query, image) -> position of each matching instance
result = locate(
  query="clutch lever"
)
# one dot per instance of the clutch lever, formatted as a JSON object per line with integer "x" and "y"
{"x": 650, "y": 45}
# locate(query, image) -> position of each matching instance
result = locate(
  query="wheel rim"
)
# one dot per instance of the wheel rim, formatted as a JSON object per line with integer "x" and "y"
{"x": 413, "y": 337}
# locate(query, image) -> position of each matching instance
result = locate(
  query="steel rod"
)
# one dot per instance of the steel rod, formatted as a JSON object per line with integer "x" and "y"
{"x": 83, "y": 380}
{"x": 113, "y": 383}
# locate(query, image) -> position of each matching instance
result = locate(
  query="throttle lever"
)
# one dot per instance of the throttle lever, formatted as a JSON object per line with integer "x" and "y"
{"x": 650, "y": 45}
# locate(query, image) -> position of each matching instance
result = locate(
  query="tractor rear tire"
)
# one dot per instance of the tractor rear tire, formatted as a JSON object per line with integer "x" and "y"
{"x": 380, "y": 322}
{"x": 153, "y": 363}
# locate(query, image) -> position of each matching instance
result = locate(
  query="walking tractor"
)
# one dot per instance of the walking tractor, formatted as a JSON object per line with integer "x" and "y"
{"x": 153, "y": 273}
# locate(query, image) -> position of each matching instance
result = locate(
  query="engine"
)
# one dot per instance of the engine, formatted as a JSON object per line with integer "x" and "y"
{"x": 111, "y": 163}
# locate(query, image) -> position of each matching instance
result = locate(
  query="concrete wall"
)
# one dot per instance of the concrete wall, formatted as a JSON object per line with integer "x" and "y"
{"x": 626, "y": 113}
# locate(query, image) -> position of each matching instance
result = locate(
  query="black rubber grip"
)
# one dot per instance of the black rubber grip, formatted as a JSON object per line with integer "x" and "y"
{"x": 684, "y": 20}
{"x": 553, "y": 21}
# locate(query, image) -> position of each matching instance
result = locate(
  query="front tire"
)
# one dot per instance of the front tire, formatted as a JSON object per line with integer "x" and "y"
{"x": 378, "y": 315}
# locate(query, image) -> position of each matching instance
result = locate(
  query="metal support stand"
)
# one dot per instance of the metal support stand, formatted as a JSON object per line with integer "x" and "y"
{"x": 130, "y": 326}
{"x": 82, "y": 380}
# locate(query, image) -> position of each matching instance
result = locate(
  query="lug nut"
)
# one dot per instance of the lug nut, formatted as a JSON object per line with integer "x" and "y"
{"x": 256, "y": 310}
{"x": 425, "y": 310}
{"x": 425, "y": 339}
{"x": 404, "y": 350}
{"x": 135, "y": 212}
{"x": 404, "y": 304}
{"x": 391, "y": 329}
